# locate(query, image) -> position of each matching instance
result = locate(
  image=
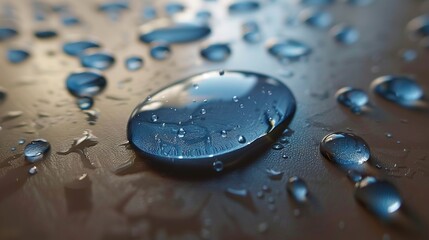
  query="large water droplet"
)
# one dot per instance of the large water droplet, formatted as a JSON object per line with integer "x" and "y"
{"x": 77, "y": 47}
{"x": 36, "y": 149}
{"x": 216, "y": 52}
{"x": 352, "y": 98}
{"x": 399, "y": 89}
{"x": 344, "y": 148}
{"x": 168, "y": 31}
{"x": 160, "y": 51}
{"x": 86, "y": 83}
{"x": 133, "y": 63}
{"x": 297, "y": 188}
{"x": 380, "y": 197}
{"x": 206, "y": 141}
{"x": 344, "y": 34}
{"x": 17, "y": 55}
{"x": 289, "y": 49}
{"x": 243, "y": 6}
{"x": 419, "y": 25}
{"x": 97, "y": 60}
{"x": 7, "y": 33}
{"x": 317, "y": 18}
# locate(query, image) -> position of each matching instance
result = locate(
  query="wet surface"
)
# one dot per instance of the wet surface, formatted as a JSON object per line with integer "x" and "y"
{"x": 93, "y": 180}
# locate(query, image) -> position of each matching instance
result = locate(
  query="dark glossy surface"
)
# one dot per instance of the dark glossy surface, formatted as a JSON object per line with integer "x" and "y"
{"x": 98, "y": 188}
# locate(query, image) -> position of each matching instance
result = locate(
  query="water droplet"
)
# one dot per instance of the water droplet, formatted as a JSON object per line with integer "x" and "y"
{"x": 223, "y": 133}
{"x": 168, "y": 31}
{"x": 33, "y": 170}
{"x": 85, "y": 103}
{"x": 133, "y": 63}
{"x": 274, "y": 174}
{"x": 289, "y": 49}
{"x": 97, "y": 60}
{"x": 21, "y": 141}
{"x": 243, "y": 6}
{"x": 419, "y": 25}
{"x": 177, "y": 102}
{"x": 344, "y": 34}
{"x": 7, "y": 33}
{"x": 378, "y": 196}
{"x": 45, "y": 33}
{"x": 221, "y": 72}
{"x": 354, "y": 176}
{"x": 113, "y": 6}
{"x": 181, "y": 133}
{"x": 250, "y": 32}
{"x": 77, "y": 47}
{"x": 241, "y": 139}
{"x": 17, "y": 55}
{"x": 154, "y": 118}
{"x": 317, "y": 18}
{"x": 86, "y": 83}
{"x": 160, "y": 51}
{"x": 360, "y": 2}
{"x": 36, "y": 149}
{"x": 174, "y": 7}
{"x": 317, "y": 2}
{"x": 352, "y": 98}
{"x": 69, "y": 20}
{"x": 3, "y": 94}
{"x": 408, "y": 55}
{"x": 344, "y": 148}
{"x": 399, "y": 89}
{"x": 216, "y": 52}
{"x": 218, "y": 166}
{"x": 277, "y": 146}
{"x": 204, "y": 15}
{"x": 297, "y": 188}
{"x": 92, "y": 116}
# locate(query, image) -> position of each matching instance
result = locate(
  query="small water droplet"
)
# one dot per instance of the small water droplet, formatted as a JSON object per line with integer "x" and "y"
{"x": 160, "y": 51}
{"x": 241, "y": 139}
{"x": 408, "y": 55}
{"x": 85, "y": 103}
{"x": 86, "y": 83}
{"x": 277, "y": 146}
{"x": 419, "y": 26}
{"x": 297, "y": 188}
{"x": 45, "y": 33}
{"x": 21, "y": 141}
{"x": 352, "y": 98}
{"x": 17, "y": 55}
{"x": 216, "y": 52}
{"x": 402, "y": 90}
{"x": 378, "y": 196}
{"x": 133, "y": 63}
{"x": 36, "y": 149}
{"x": 274, "y": 174}
{"x": 76, "y": 47}
{"x": 345, "y": 34}
{"x": 174, "y": 7}
{"x": 317, "y": 2}
{"x": 354, "y": 176}
{"x": 7, "y": 33}
{"x": 317, "y": 18}
{"x": 243, "y": 6}
{"x": 344, "y": 148}
{"x": 154, "y": 118}
{"x": 33, "y": 170}
{"x": 250, "y": 32}
{"x": 360, "y": 2}
{"x": 181, "y": 133}
{"x": 221, "y": 72}
{"x": 169, "y": 31}
{"x": 218, "y": 166}
{"x": 289, "y": 49}
{"x": 97, "y": 60}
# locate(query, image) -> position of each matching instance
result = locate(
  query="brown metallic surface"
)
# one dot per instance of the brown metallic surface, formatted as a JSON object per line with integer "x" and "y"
{"x": 137, "y": 202}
